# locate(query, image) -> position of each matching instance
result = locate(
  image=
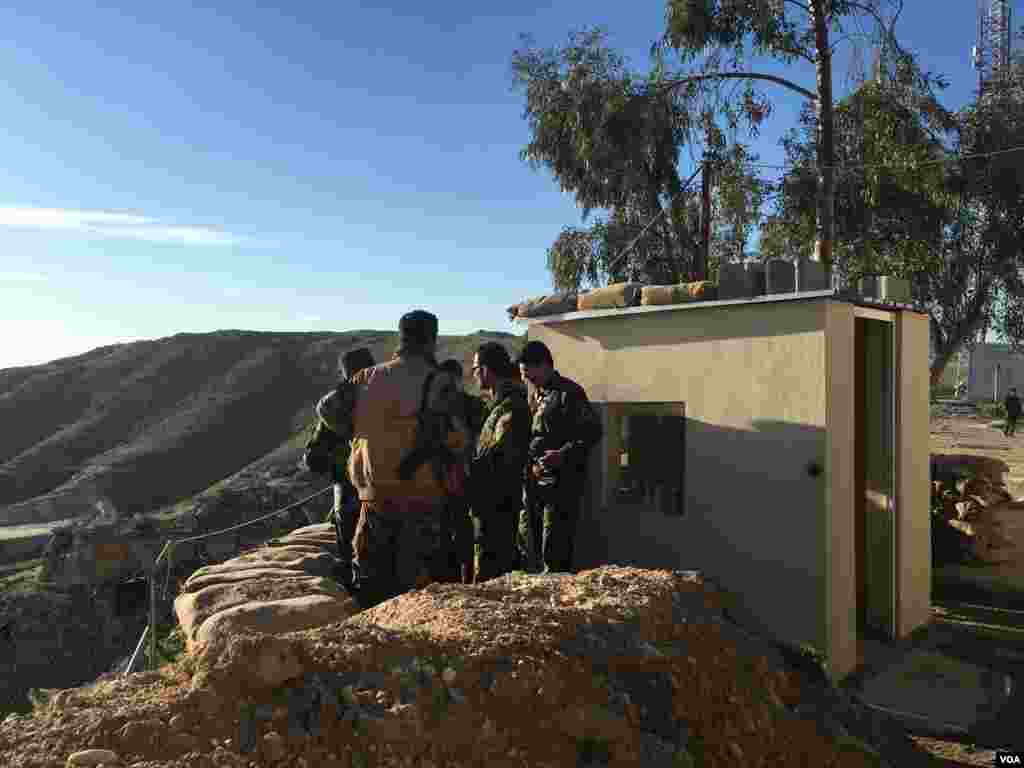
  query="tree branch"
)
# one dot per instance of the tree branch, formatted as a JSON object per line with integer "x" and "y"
{"x": 794, "y": 52}
{"x": 888, "y": 29}
{"x": 673, "y": 84}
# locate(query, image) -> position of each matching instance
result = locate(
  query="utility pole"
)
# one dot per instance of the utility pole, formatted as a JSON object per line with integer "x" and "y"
{"x": 704, "y": 254}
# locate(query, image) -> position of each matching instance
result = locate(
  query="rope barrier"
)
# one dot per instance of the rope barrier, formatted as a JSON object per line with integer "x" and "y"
{"x": 167, "y": 552}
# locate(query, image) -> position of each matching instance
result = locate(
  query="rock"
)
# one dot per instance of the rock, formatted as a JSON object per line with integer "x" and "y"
{"x": 93, "y": 757}
{"x": 273, "y": 746}
{"x": 249, "y": 661}
{"x": 178, "y": 723}
{"x": 183, "y": 742}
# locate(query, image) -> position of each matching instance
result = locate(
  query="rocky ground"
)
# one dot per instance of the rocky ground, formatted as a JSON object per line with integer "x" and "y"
{"x": 614, "y": 666}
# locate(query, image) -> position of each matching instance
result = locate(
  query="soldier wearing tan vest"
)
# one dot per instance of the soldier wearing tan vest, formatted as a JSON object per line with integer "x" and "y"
{"x": 405, "y": 421}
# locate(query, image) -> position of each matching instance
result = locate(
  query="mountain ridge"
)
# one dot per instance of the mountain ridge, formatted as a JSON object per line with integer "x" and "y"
{"x": 148, "y": 424}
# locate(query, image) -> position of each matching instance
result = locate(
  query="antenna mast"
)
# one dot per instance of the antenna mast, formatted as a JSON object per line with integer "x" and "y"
{"x": 991, "y": 52}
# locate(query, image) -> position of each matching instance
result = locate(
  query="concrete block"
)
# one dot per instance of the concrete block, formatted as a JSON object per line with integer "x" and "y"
{"x": 780, "y": 276}
{"x": 741, "y": 281}
{"x": 732, "y": 281}
{"x": 810, "y": 276}
{"x": 756, "y": 278}
{"x": 885, "y": 288}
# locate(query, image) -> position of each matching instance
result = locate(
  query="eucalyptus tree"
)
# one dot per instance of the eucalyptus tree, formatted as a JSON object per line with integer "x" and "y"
{"x": 719, "y": 38}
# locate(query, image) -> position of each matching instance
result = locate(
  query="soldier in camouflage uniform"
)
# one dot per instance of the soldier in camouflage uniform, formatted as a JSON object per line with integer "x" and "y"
{"x": 564, "y": 430}
{"x": 326, "y": 453}
{"x": 392, "y": 413}
{"x": 496, "y": 473}
{"x": 458, "y": 525}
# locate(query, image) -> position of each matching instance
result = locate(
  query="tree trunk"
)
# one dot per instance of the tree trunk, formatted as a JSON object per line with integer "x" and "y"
{"x": 972, "y": 321}
{"x": 943, "y": 355}
{"x": 826, "y": 139}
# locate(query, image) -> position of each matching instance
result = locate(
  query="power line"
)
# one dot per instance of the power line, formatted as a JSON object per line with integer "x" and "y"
{"x": 815, "y": 166}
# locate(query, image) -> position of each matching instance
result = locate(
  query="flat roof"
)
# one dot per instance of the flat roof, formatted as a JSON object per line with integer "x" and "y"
{"x": 772, "y": 298}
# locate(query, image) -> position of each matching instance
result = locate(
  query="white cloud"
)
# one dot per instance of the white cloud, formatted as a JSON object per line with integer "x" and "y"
{"x": 21, "y": 277}
{"x": 106, "y": 224}
{"x": 309, "y": 319}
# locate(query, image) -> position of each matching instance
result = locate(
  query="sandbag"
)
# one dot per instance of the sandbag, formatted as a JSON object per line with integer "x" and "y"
{"x": 551, "y": 304}
{"x": 614, "y": 296}
{"x": 194, "y": 608}
{"x": 277, "y": 617}
{"x": 701, "y": 290}
{"x": 680, "y": 293}
{"x": 279, "y": 558}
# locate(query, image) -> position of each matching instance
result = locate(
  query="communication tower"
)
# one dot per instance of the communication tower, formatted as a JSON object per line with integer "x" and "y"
{"x": 991, "y": 52}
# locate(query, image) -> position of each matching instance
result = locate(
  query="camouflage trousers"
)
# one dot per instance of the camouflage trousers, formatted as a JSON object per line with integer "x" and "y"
{"x": 459, "y": 538}
{"x": 398, "y": 546}
{"x": 494, "y": 537}
{"x": 528, "y": 533}
{"x": 553, "y": 519}
{"x": 344, "y": 515}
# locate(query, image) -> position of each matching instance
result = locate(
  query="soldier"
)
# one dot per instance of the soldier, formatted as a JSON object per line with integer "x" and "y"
{"x": 326, "y": 453}
{"x": 404, "y": 418}
{"x": 496, "y": 473}
{"x": 1012, "y": 405}
{"x": 458, "y": 527}
{"x": 564, "y": 430}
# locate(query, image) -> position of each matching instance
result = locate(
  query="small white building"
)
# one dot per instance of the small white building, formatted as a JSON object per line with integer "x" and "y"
{"x": 990, "y": 370}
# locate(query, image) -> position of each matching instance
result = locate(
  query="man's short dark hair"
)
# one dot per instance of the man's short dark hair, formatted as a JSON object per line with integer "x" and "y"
{"x": 353, "y": 361}
{"x": 418, "y": 327}
{"x": 452, "y": 366}
{"x": 535, "y": 353}
{"x": 497, "y": 358}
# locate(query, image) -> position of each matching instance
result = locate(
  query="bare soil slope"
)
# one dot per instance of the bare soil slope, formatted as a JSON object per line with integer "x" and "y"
{"x": 150, "y": 423}
{"x": 614, "y": 666}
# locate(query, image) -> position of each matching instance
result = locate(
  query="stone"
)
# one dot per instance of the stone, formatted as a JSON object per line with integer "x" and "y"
{"x": 780, "y": 276}
{"x": 732, "y": 281}
{"x": 273, "y": 746}
{"x": 183, "y": 742}
{"x": 810, "y": 275}
{"x": 741, "y": 280}
{"x": 178, "y": 722}
{"x": 93, "y": 757}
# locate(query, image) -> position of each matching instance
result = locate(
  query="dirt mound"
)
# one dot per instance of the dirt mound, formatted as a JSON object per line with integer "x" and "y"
{"x": 615, "y": 666}
{"x": 971, "y": 498}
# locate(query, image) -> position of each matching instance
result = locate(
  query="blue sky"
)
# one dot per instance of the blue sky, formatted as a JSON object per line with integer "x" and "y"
{"x": 170, "y": 168}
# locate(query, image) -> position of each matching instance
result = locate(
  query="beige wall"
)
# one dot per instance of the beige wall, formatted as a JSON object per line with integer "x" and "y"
{"x": 753, "y": 378}
{"x": 839, "y": 562}
{"x": 914, "y": 556}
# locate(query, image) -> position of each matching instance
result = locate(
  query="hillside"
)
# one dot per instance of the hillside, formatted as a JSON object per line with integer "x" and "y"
{"x": 152, "y": 423}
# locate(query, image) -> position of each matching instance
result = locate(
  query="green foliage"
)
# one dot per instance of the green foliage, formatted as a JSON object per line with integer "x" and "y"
{"x": 592, "y": 750}
{"x": 170, "y": 647}
{"x": 612, "y": 138}
{"x": 695, "y": 24}
{"x": 991, "y": 410}
{"x": 891, "y": 197}
{"x": 614, "y": 144}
